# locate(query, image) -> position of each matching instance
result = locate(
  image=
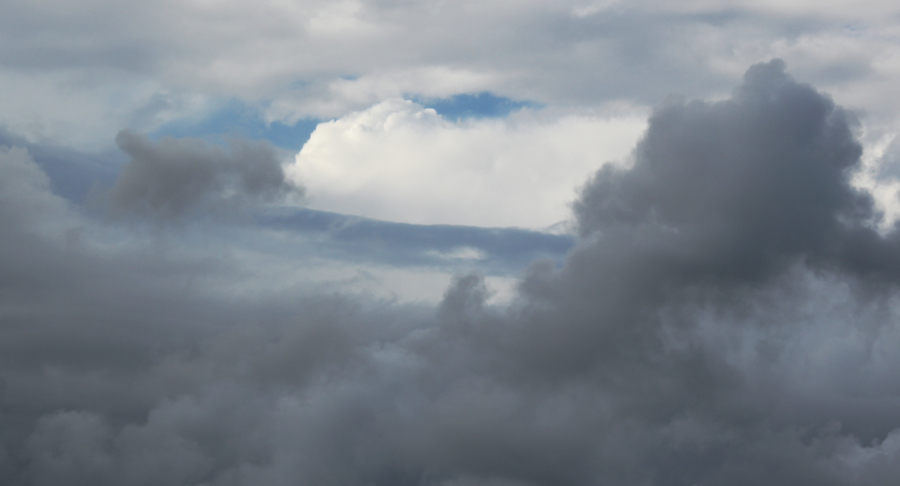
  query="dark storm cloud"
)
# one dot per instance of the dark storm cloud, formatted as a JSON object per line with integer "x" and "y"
{"x": 727, "y": 318}
{"x": 168, "y": 178}
{"x": 729, "y": 216}
{"x": 740, "y": 188}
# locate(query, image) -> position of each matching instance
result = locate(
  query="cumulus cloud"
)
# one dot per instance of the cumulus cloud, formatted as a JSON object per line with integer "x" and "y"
{"x": 401, "y": 162}
{"x": 169, "y": 178}
{"x": 727, "y": 317}
{"x": 785, "y": 191}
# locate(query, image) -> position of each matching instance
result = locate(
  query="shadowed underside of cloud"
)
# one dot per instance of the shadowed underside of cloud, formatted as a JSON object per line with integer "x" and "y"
{"x": 728, "y": 317}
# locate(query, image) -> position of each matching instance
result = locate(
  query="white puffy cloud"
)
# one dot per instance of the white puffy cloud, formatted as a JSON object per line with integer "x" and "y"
{"x": 401, "y": 162}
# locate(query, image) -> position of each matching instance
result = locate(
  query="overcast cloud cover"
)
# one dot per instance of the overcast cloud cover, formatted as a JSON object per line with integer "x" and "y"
{"x": 492, "y": 243}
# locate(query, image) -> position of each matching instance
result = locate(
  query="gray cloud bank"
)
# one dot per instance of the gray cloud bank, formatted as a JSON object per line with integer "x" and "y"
{"x": 728, "y": 317}
{"x": 169, "y": 178}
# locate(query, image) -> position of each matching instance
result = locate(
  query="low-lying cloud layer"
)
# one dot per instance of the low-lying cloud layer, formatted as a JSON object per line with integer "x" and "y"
{"x": 728, "y": 317}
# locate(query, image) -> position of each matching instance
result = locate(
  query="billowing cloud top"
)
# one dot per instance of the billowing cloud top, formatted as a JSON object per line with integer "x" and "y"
{"x": 740, "y": 187}
{"x": 401, "y": 162}
{"x": 727, "y": 317}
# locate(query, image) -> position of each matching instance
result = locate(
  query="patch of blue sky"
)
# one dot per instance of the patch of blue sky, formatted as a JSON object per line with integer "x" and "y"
{"x": 475, "y": 105}
{"x": 73, "y": 174}
{"x": 235, "y": 118}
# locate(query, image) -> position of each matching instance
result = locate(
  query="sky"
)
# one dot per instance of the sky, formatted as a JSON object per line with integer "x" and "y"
{"x": 431, "y": 243}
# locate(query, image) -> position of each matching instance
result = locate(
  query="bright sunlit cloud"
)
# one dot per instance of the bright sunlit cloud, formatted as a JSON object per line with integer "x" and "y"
{"x": 401, "y": 162}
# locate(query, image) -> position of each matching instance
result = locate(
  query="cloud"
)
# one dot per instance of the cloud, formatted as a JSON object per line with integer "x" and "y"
{"x": 400, "y": 162}
{"x": 169, "y": 178}
{"x": 504, "y": 250}
{"x": 785, "y": 191}
{"x": 78, "y": 81}
{"x": 73, "y": 174}
{"x": 722, "y": 320}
